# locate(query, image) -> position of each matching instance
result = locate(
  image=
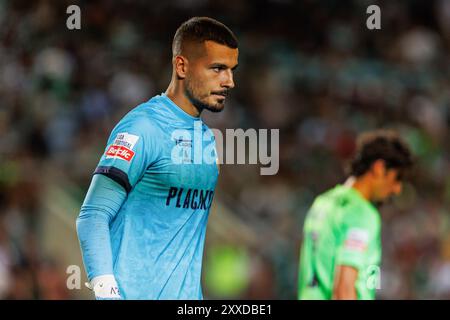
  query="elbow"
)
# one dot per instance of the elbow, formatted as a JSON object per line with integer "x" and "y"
{"x": 80, "y": 226}
{"x": 89, "y": 218}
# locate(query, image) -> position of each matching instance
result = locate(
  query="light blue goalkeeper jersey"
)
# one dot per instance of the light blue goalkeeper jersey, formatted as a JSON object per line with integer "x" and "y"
{"x": 166, "y": 162}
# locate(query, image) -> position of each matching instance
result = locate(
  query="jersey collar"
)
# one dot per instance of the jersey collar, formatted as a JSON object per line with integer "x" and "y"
{"x": 180, "y": 113}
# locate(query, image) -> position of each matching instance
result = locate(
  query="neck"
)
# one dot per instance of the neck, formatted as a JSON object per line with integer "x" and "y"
{"x": 363, "y": 187}
{"x": 176, "y": 93}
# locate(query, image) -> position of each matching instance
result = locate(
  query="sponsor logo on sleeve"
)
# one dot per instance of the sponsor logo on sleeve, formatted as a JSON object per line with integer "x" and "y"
{"x": 122, "y": 147}
{"x": 357, "y": 239}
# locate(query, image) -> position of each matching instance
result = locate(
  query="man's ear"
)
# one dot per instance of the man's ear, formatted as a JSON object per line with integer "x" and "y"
{"x": 181, "y": 65}
{"x": 379, "y": 168}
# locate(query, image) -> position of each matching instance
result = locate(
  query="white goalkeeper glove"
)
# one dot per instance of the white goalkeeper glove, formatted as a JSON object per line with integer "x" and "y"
{"x": 105, "y": 287}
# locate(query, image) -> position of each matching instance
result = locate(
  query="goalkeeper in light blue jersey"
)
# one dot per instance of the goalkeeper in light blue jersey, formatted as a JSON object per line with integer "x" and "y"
{"x": 142, "y": 224}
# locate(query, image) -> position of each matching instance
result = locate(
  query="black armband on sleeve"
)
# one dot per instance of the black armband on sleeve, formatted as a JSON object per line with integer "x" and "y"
{"x": 115, "y": 174}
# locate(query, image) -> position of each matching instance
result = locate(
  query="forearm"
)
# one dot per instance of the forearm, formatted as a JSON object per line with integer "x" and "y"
{"x": 93, "y": 234}
{"x": 102, "y": 203}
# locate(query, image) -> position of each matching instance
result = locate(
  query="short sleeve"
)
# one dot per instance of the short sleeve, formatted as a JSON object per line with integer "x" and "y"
{"x": 358, "y": 229}
{"x": 131, "y": 148}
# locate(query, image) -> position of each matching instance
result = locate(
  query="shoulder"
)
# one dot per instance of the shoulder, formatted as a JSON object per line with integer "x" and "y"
{"x": 140, "y": 120}
{"x": 347, "y": 208}
{"x": 326, "y": 205}
{"x": 334, "y": 197}
{"x": 360, "y": 213}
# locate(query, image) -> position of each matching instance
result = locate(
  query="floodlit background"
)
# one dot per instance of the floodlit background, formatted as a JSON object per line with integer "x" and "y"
{"x": 310, "y": 68}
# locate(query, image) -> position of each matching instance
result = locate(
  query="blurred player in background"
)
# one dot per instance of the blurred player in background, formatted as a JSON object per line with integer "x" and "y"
{"x": 142, "y": 224}
{"x": 341, "y": 247}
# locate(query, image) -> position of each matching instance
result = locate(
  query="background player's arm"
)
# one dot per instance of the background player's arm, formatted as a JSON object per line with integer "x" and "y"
{"x": 357, "y": 231}
{"x": 344, "y": 283}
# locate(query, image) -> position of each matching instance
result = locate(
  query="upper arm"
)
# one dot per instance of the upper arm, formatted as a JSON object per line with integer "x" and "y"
{"x": 104, "y": 198}
{"x": 356, "y": 232}
{"x": 344, "y": 284}
{"x": 130, "y": 149}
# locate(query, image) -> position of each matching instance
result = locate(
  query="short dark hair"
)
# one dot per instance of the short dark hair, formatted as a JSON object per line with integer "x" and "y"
{"x": 200, "y": 29}
{"x": 385, "y": 145}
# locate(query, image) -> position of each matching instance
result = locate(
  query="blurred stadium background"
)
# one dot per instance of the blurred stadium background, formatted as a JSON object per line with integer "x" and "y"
{"x": 310, "y": 68}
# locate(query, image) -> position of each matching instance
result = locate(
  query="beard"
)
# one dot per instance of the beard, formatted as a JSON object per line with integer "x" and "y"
{"x": 201, "y": 103}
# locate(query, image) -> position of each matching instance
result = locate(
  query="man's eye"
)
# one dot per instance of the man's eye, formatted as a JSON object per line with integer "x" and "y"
{"x": 216, "y": 69}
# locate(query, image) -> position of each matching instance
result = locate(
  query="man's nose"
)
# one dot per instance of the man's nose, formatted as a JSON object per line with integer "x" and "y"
{"x": 228, "y": 81}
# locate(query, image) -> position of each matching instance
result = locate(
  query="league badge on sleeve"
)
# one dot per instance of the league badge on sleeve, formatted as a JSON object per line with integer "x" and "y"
{"x": 357, "y": 239}
{"x": 122, "y": 147}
